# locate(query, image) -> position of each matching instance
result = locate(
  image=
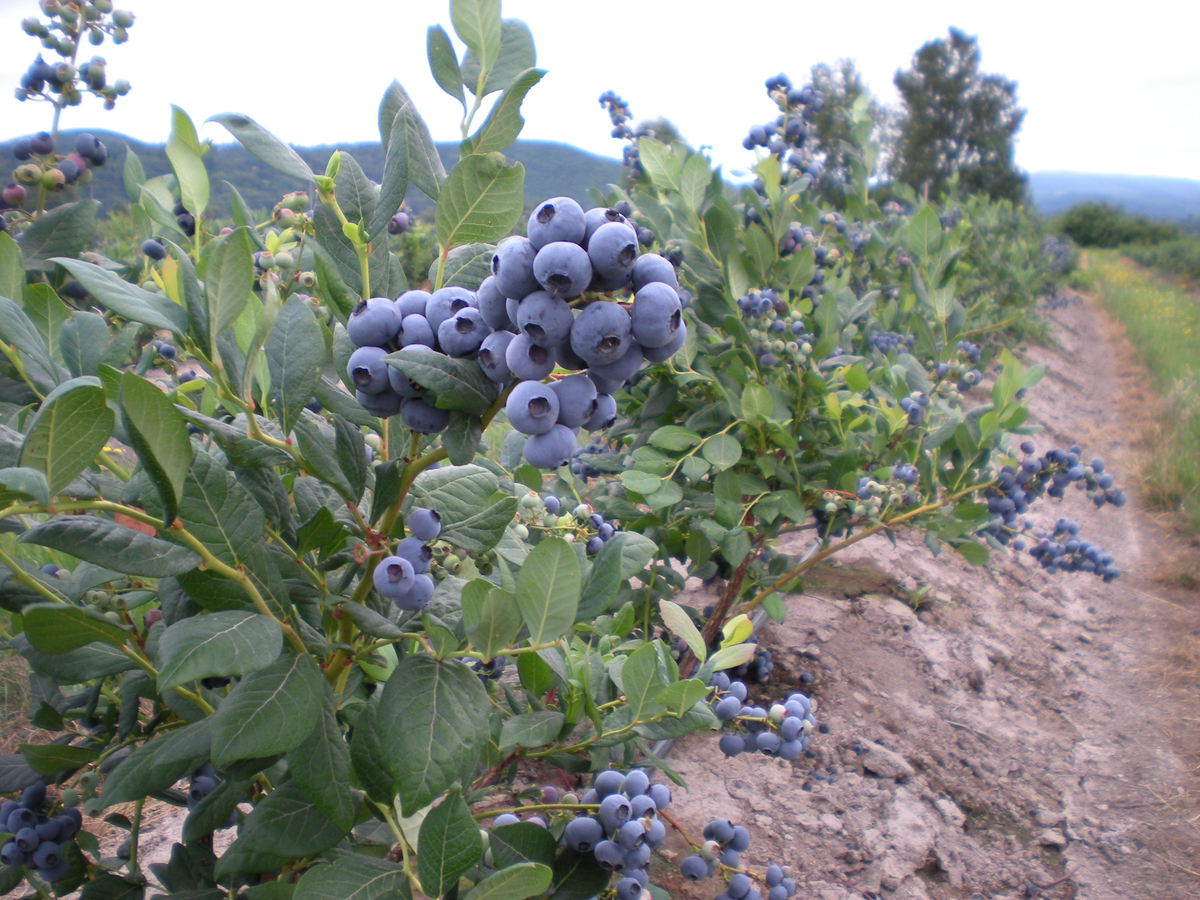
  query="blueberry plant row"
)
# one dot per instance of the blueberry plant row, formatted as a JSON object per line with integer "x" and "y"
{"x": 351, "y": 553}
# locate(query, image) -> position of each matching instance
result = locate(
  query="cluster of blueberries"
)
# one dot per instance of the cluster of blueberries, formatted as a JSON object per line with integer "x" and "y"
{"x": 549, "y": 513}
{"x": 402, "y": 577}
{"x": 887, "y": 341}
{"x": 786, "y": 137}
{"x": 37, "y": 839}
{"x": 780, "y": 731}
{"x": 519, "y": 325}
{"x": 961, "y": 370}
{"x": 624, "y": 830}
{"x": 621, "y": 115}
{"x": 53, "y": 173}
{"x": 874, "y": 494}
{"x": 914, "y": 406}
{"x": 1017, "y": 487}
{"x": 781, "y": 335}
{"x": 758, "y": 668}
{"x": 582, "y": 470}
{"x": 723, "y": 844}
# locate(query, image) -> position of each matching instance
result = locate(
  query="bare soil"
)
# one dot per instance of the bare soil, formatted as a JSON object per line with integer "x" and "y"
{"x": 1022, "y": 734}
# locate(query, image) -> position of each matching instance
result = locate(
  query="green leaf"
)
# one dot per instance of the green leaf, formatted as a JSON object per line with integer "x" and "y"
{"x": 548, "y": 587}
{"x": 681, "y": 696}
{"x": 67, "y": 432}
{"x": 504, "y": 122}
{"x": 285, "y": 826}
{"x": 133, "y": 176}
{"x": 674, "y": 438}
{"x": 112, "y": 546}
{"x": 17, "y": 329}
{"x": 183, "y": 152}
{"x": 757, "y": 403}
{"x": 111, "y": 887}
{"x": 490, "y": 617}
{"x": 220, "y": 645}
{"x": 56, "y": 628}
{"x": 513, "y": 883}
{"x": 220, "y": 512}
{"x": 354, "y": 876}
{"x": 15, "y": 774}
{"x": 351, "y": 450}
{"x": 459, "y": 384}
{"x": 731, "y": 657}
{"x": 450, "y": 844}
{"x": 157, "y": 764}
{"x": 641, "y": 482}
{"x": 642, "y": 680}
{"x": 722, "y": 450}
{"x": 430, "y": 728}
{"x": 228, "y": 279}
{"x": 18, "y": 482}
{"x": 461, "y": 495}
{"x": 320, "y": 456}
{"x": 12, "y": 269}
{"x": 924, "y": 234}
{"x": 159, "y": 435}
{"x": 658, "y": 161}
{"x": 760, "y": 247}
{"x": 83, "y": 342}
{"x": 577, "y": 876}
{"x": 321, "y": 766}
{"x": 295, "y": 352}
{"x": 1011, "y": 380}
{"x": 477, "y": 24}
{"x": 694, "y": 182}
{"x": 213, "y": 811}
{"x": 47, "y": 312}
{"x": 461, "y": 438}
{"x": 264, "y": 145}
{"x": 443, "y": 63}
{"x": 481, "y": 200}
{"x": 269, "y": 711}
{"x": 535, "y": 729}
{"x": 46, "y": 759}
{"x": 975, "y": 554}
{"x": 126, "y": 299}
{"x": 517, "y": 54}
{"x": 624, "y": 555}
{"x": 62, "y": 231}
{"x": 353, "y": 190}
{"x": 681, "y": 625}
{"x": 425, "y": 169}
{"x": 466, "y": 266}
{"x": 395, "y": 180}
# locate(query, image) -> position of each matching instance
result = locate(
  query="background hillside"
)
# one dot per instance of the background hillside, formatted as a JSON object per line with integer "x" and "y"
{"x": 553, "y": 169}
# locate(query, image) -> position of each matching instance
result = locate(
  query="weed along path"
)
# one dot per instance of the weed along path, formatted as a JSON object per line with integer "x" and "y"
{"x": 1021, "y": 734}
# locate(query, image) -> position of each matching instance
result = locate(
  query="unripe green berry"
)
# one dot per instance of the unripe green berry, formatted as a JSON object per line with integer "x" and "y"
{"x": 70, "y": 798}
{"x": 123, "y": 18}
{"x": 284, "y": 259}
{"x": 521, "y": 531}
{"x": 53, "y": 180}
{"x": 93, "y": 808}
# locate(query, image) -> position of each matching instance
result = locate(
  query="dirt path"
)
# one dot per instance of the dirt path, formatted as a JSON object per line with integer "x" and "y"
{"x": 1022, "y": 729}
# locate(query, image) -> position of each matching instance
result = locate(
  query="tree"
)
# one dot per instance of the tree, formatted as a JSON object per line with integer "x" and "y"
{"x": 841, "y": 84}
{"x": 957, "y": 120}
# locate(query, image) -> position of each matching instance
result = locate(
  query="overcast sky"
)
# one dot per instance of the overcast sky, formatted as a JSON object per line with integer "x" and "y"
{"x": 1108, "y": 88}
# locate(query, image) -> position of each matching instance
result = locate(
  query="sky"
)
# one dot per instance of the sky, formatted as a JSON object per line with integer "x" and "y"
{"x": 1108, "y": 88}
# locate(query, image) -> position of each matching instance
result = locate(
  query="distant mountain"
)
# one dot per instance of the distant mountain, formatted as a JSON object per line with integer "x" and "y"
{"x": 1145, "y": 195}
{"x": 551, "y": 170}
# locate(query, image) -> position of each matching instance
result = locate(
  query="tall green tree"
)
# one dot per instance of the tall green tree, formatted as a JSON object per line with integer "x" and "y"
{"x": 841, "y": 85}
{"x": 957, "y": 120}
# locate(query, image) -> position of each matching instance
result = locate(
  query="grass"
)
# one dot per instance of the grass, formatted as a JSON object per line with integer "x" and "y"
{"x": 1163, "y": 322}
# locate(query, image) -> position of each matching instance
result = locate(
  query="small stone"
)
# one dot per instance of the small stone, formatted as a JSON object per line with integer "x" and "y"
{"x": 1052, "y": 837}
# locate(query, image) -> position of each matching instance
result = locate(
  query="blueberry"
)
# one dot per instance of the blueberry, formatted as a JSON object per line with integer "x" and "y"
{"x": 594, "y": 218}
{"x": 651, "y": 268}
{"x": 552, "y": 504}
{"x": 504, "y": 819}
{"x": 412, "y": 303}
{"x": 398, "y": 224}
{"x": 424, "y": 524}
{"x": 418, "y": 555}
{"x": 789, "y": 730}
{"x": 774, "y": 875}
{"x": 27, "y": 840}
{"x": 47, "y": 855}
{"x": 656, "y": 314}
{"x": 583, "y": 834}
{"x": 602, "y": 334}
{"x": 732, "y": 744}
{"x": 492, "y": 304}
{"x": 374, "y": 323}
{"x": 545, "y": 319}
{"x": 423, "y": 418}
{"x": 41, "y": 143}
{"x": 767, "y": 742}
{"x": 738, "y": 886}
{"x": 445, "y": 303}
{"x": 631, "y": 835}
{"x": 154, "y": 250}
{"x": 393, "y": 576}
{"x": 613, "y": 250}
{"x": 693, "y": 868}
{"x": 461, "y": 335}
{"x": 779, "y": 892}
{"x": 643, "y": 805}
{"x": 512, "y": 267}
{"x": 21, "y": 819}
{"x": 728, "y": 709}
{"x": 576, "y": 400}
{"x": 551, "y": 449}
{"x": 527, "y": 360}
{"x": 605, "y": 415}
{"x": 608, "y": 782}
{"x": 610, "y": 856}
{"x": 414, "y": 329}
{"x": 719, "y": 830}
{"x": 22, "y": 149}
{"x": 12, "y": 855}
{"x": 563, "y": 269}
{"x": 492, "y": 355}
{"x": 629, "y": 889}
{"x": 532, "y": 408}
{"x": 624, "y": 368}
{"x": 559, "y": 219}
{"x": 661, "y": 795}
{"x": 367, "y": 370}
{"x": 740, "y": 840}
{"x": 790, "y": 750}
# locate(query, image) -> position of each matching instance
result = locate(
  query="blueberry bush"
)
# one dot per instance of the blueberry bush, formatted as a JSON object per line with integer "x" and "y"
{"x": 343, "y": 563}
